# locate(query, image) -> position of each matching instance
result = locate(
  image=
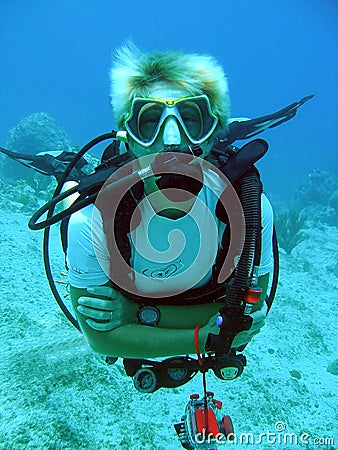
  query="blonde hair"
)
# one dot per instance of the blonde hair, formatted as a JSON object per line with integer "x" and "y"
{"x": 134, "y": 73}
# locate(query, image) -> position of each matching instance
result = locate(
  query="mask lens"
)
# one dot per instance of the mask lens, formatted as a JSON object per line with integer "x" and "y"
{"x": 199, "y": 121}
{"x": 191, "y": 116}
{"x": 148, "y": 120}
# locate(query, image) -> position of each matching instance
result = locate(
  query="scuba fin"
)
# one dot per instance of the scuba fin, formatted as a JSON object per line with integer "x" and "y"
{"x": 49, "y": 163}
{"x": 247, "y": 128}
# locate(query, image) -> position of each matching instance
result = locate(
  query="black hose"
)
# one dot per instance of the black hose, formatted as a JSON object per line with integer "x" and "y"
{"x": 272, "y": 293}
{"x": 250, "y": 195}
{"x": 49, "y": 207}
{"x": 49, "y": 221}
{"x": 51, "y": 281}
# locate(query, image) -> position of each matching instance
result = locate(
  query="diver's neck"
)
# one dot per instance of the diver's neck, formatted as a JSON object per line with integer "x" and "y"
{"x": 164, "y": 206}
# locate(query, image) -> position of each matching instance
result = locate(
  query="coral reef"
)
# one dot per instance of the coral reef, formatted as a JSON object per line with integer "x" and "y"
{"x": 317, "y": 189}
{"x": 333, "y": 201}
{"x": 26, "y": 196}
{"x": 289, "y": 225}
{"x": 317, "y": 197}
{"x": 33, "y": 134}
{"x": 333, "y": 206}
{"x": 37, "y": 132}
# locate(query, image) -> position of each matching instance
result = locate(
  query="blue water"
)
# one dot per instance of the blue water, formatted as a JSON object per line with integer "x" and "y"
{"x": 55, "y": 57}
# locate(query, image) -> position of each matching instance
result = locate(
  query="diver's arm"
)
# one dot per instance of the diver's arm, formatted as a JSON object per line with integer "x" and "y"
{"x": 142, "y": 341}
{"x": 173, "y": 336}
{"x": 68, "y": 201}
{"x": 263, "y": 283}
{"x": 134, "y": 340}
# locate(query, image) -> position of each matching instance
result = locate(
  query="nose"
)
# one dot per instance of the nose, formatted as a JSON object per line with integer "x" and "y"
{"x": 171, "y": 132}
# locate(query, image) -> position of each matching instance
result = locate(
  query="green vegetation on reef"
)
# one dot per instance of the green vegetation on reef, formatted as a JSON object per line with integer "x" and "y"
{"x": 289, "y": 225}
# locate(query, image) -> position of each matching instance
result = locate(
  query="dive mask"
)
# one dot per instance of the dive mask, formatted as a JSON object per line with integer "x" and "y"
{"x": 193, "y": 114}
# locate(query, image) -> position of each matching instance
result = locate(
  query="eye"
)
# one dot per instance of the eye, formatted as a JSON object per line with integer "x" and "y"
{"x": 192, "y": 118}
{"x": 148, "y": 119}
{"x": 151, "y": 112}
{"x": 189, "y": 114}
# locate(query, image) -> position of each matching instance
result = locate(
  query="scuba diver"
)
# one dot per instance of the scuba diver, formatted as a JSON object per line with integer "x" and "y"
{"x": 170, "y": 244}
{"x": 176, "y": 103}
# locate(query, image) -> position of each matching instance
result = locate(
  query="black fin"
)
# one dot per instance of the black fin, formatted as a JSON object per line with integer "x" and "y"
{"x": 47, "y": 164}
{"x": 245, "y": 129}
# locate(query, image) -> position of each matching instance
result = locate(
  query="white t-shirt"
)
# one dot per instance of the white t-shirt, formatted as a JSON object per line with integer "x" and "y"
{"x": 166, "y": 254}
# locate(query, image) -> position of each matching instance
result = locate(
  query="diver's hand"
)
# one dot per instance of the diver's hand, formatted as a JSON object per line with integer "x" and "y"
{"x": 106, "y": 308}
{"x": 244, "y": 337}
{"x": 258, "y": 322}
{"x": 174, "y": 162}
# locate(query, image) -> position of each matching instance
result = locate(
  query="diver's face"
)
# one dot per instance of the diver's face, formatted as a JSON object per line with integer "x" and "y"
{"x": 171, "y": 136}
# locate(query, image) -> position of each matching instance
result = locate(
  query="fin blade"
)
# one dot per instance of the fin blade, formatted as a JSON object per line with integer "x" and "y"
{"x": 239, "y": 129}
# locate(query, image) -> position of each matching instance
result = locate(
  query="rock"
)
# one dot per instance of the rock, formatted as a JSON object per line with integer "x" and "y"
{"x": 333, "y": 367}
{"x": 37, "y": 132}
{"x": 295, "y": 374}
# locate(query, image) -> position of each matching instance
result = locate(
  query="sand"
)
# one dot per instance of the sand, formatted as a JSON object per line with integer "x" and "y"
{"x": 58, "y": 394}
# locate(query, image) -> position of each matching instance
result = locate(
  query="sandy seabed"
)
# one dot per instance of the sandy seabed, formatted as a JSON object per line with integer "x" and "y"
{"x": 57, "y": 394}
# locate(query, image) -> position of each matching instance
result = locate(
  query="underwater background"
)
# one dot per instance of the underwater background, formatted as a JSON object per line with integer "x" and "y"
{"x": 54, "y": 93}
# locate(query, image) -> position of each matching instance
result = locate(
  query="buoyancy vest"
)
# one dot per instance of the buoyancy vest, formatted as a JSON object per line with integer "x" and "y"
{"x": 238, "y": 166}
{"x": 89, "y": 185}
